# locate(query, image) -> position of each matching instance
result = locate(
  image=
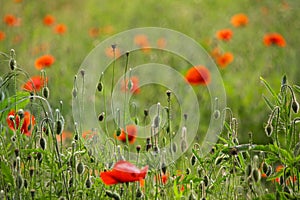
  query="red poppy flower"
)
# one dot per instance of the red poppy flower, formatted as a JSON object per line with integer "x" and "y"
{"x": 274, "y": 39}
{"x": 239, "y": 20}
{"x": 44, "y": 61}
{"x": 49, "y": 20}
{"x": 66, "y": 137}
{"x": 123, "y": 172}
{"x": 2, "y": 35}
{"x": 225, "y": 59}
{"x": 35, "y": 83}
{"x": 131, "y": 130}
{"x": 141, "y": 40}
{"x": 11, "y": 20}
{"x": 94, "y": 32}
{"x": 198, "y": 75}
{"x": 164, "y": 178}
{"x": 28, "y": 122}
{"x": 60, "y": 29}
{"x": 225, "y": 34}
{"x": 134, "y": 84}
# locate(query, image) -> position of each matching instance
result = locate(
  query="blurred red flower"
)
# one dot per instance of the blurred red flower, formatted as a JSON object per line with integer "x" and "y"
{"x": 11, "y": 20}
{"x": 110, "y": 53}
{"x": 134, "y": 84}
{"x": 35, "y": 83}
{"x": 123, "y": 172}
{"x": 161, "y": 43}
{"x": 224, "y": 34}
{"x": 2, "y": 35}
{"x": 142, "y": 41}
{"x": 94, "y": 32}
{"x": 225, "y": 59}
{"x": 274, "y": 39}
{"x": 44, "y": 61}
{"x": 198, "y": 75}
{"x": 239, "y": 20}
{"x": 66, "y": 137}
{"x": 60, "y": 29}
{"x": 131, "y": 131}
{"x": 49, "y": 20}
{"x": 27, "y": 121}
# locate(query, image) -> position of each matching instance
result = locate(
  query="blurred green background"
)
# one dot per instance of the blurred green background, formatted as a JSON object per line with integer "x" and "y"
{"x": 199, "y": 19}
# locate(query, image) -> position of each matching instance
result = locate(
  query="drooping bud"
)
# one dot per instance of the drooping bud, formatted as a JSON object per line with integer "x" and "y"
{"x": 43, "y": 143}
{"x": 19, "y": 181}
{"x": 59, "y": 127}
{"x": 80, "y": 168}
{"x": 21, "y": 113}
{"x": 88, "y": 182}
{"x": 295, "y": 106}
{"x": 46, "y": 92}
{"x": 100, "y": 86}
{"x": 256, "y": 175}
{"x": 12, "y": 64}
{"x": 164, "y": 167}
{"x": 269, "y": 129}
{"x": 101, "y": 116}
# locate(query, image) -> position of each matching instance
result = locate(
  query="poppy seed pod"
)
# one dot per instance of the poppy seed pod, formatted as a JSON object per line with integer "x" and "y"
{"x": 21, "y": 113}
{"x": 168, "y": 92}
{"x": 138, "y": 148}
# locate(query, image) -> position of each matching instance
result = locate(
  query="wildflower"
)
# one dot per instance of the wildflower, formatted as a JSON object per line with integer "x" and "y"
{"x": 225, "y": 59}
{"x": 239, "y": 20}
{"x": 216, "y": 52}
{"x": 94, "y": 32}
{"x": 35, "y": 83}
{"x": 161, "y": 43}
{"x": 28, "y": 122}
{"x": 48, "y": 20}
{"x": 198, "y": 75}
{"x": 141, "y": 40}
{"x": 65, "y": 136}
{"x": 224, "y": 34}
{"x": 131, "y": 131}
{"x": 274, "y": 39}
{"x": 2, "y": 35}
{"x": 132, "y": 85}
{"x": 60, "y": 29}
{"x": 11, "y": 20}
{"x": 123, "y": 172}
{"x": 89, "y": 134}
{"x": 44, "y": 61}
{"x": 109, "y": 52}
{"x": 164, "y": 178}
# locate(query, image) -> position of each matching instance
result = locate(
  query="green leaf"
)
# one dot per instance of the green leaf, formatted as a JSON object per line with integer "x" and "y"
{"x": 269, "y": 104}
{"x": 5, "y": 170}
{"x": 297, "y": 88}
{"x": 9, "y": 103}
{"x": 273, "y": 93}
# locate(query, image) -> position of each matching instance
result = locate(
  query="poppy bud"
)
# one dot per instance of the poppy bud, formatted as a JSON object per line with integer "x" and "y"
{"x": 39, "y": 156}
{"x": 88, "y": 182}
{"x": 193, "y": 160}
{"x": 146, "y": 112}
{"x": 174, "y": 147}
{"x": 269, "y": 129}
{"x": 138, "y": 148}
{"x": 283, "y": 81}
{"x": 164, "y": 167}
{"x": 31, "y": 98}
{"x": 21, "y": 113}
{"x": 188, "y": 171}
{"x": 269, "y": 171}
{"x": 168, "y": 92}
{"x": 25, "y": 183}
{"x": 43, "y": 143}
{"x": 101, "y": 116}
{"x": 130, "y": 85}
{"x": 295, "y": 106}
{"x": 217, "y": 114}
{"x": 233, "y": 152}
{"x": 248, "y": 170}
{"x": 118, "y": 132}
{"x": 80, "y": 168}
{"x": 136, "y": 121}
{"x": 100, "y": 86}
{"x": 74, "y": 92}
{"x": 256, "y": 175}
{"x": 45, "y": 92}
{"x": 264, "y": 167}
{"x": 114, "y": 46}
{"x": 59, "y": 127}
{"x": 12, "y": 64}
{"x": 148, "y": 146}
{"x": 82, "y": 72}
{"x": 71, "y": 182}
{"x": 218, "y": 160}
{"x": 19, "y": 181}
{"x": 18, "y": 163}
{"x": 192, "y": 196}
{"x": 17, "y": 151}
{"x": 206, "y": 180}
{"x": 31, "y": 171}
{"x": 139, "y": 194}
{"x": 183, "y": 145}
{"x": 32, "y": 193}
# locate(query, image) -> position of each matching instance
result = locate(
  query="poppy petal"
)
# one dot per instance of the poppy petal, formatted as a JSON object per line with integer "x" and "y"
{"x": 108, "y": 178}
